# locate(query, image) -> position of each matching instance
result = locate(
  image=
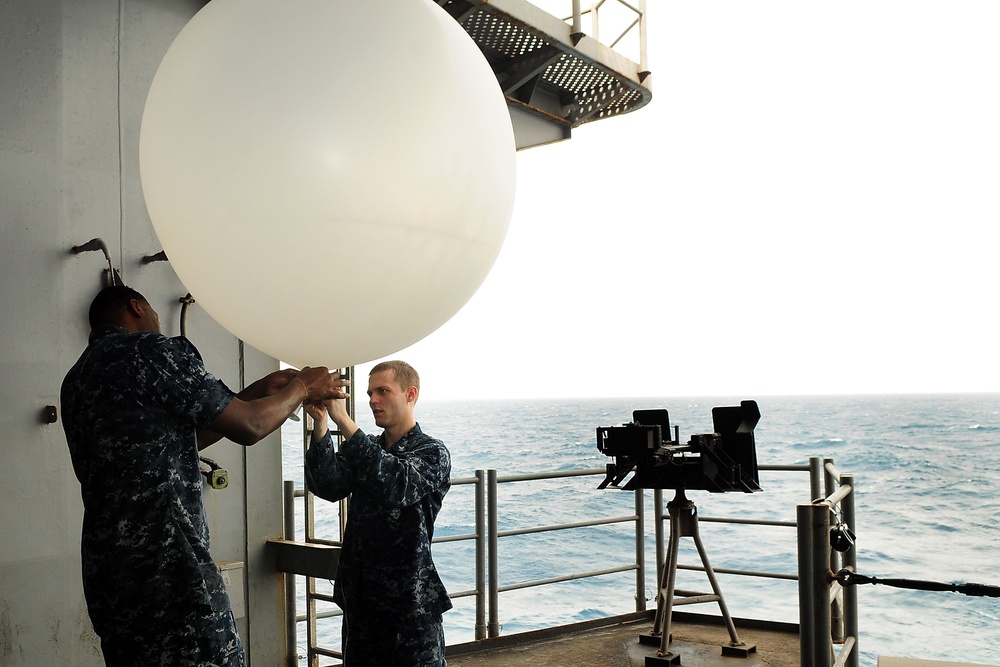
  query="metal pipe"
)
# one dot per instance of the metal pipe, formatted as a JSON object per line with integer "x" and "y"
{"x": 807, "y": 632}
{"x": 454, "y": 538}
{"x": 831, "y": 469}
{"x": 814, "y": 612}
{"x": 309, "y": 509}
{"x": 658, "y": 531}
{"x": 746, "y": 522}
{"x": 830, "y": 481}
{"x": 832, "y": 489}
{"x": 665, "y": 602}
{"x": 112, "y": 278}
{"x": 186, "y": 302}
{"x": 696, "y": 536}
{"x": 93, "y": 244}
{"x": 595, "y": 21}
{"x": 564, "y": 526}
{"x": 815, "y": 478}
{"x": 494, "y": 585}
{"x": 567, "y": 577}
{"x": 454, "y": 595}
{"x": 643, "y": 52}
{"x": 784, "y": 467}
{"x": 850, "y": 557}
{"x": 291, "y": 634}
{"x": 481, "y": 599}
{"x": 842, "y": 492}
{"x": 746, "y": 573}
{"x": 823, "y": 648}
{"x": 848, "y": 654}
{"x": 640, "y": 551}
{"x": 534, "y": 476}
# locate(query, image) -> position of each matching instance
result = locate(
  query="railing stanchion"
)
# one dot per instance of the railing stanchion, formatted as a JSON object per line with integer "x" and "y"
{"x": 816, "y": 475}
{"x": 658, "y": 532}
{"x": 491, "y": 510}
{"x": 291, "y": 626}
{"x": 851, "y": 563}
{"x": 807, "y": 594}
{"x": 814, "y": 585}
{"x": 481, "y": 596}
{"x": 640, "y": 551}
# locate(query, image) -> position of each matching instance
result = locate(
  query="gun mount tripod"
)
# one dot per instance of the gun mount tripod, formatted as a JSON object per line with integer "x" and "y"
{"x": 684, "y": 523}
{"x": 722, "y": 461}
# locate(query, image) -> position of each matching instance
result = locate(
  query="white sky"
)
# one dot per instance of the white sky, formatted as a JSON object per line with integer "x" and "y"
{"x": 809, "y": 205}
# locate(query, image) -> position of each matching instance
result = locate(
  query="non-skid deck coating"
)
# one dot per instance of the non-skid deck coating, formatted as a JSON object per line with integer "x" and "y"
{"x": 698, "y": 645}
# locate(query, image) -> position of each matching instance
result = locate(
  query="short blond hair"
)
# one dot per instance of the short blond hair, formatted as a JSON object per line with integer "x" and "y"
{"x": 404, "y": 373}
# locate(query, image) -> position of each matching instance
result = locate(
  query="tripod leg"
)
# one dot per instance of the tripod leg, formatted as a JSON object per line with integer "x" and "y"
{"x": 658, "y": 617}
{"x": 669, "y": 582}
{"x": 737, "y": 647}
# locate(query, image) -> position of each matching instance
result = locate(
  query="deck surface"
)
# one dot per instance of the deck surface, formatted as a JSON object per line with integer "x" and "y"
{"x": 697, "y": 645}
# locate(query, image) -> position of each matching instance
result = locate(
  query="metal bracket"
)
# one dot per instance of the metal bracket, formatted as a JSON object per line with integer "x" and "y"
{"x": 740, "y": 650}
{"x": 112, "y": 276}
{"x": 311, "y": 560}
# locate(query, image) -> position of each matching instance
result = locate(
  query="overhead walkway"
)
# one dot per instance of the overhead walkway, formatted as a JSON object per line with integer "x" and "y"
{"x": 554, "y": 74}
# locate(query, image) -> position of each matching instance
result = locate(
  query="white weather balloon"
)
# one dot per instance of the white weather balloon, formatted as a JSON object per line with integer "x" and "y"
{"x": 331, "y": 179}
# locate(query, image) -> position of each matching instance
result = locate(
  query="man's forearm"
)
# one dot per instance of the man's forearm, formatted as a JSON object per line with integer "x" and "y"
{"x": 253, "y": 391}
{"x": 267, "y": 385}
{"x": 246, "y": 422}
{"x": 320, "y": 428}
{"x": 344, "y": 423}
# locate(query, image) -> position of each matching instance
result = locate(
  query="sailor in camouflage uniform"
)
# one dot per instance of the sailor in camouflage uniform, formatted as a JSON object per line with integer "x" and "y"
{"x": 136, "y": 407}
{"x": 386, "y": 583}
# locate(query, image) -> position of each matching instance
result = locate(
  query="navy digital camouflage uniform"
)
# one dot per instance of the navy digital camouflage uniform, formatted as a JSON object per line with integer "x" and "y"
{"x": 386, "y": 583}
{"x": 131, "y": 406}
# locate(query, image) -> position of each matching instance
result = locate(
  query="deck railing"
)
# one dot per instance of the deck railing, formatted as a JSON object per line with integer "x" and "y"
{"x": 827, "y": 611}
{"x": 609, "y": 22}
{"x": 494, "y": 535}
{"x": 637, "y": 19}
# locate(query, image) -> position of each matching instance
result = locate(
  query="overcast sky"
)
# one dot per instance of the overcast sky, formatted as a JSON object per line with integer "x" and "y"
{"x": 809, "y": 205}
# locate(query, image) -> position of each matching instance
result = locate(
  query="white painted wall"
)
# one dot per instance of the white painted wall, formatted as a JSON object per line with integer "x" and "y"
{"x": 74, "y": 77}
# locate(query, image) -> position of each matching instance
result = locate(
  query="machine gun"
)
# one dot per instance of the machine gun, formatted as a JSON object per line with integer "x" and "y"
{"x": 725, "y": 460}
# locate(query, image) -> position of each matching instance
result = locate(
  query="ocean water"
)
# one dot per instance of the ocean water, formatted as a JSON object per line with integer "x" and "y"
{"x": 926, "y": 470}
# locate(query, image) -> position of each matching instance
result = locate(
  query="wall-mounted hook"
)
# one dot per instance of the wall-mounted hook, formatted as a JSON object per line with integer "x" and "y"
{"x": 112, "y": 277}
{"x": 158, "y": 257}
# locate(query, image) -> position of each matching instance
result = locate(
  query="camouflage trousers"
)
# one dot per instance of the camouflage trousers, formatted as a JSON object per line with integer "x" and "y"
{"x": 415, "y": 641}
{"x": 208, "y": 640}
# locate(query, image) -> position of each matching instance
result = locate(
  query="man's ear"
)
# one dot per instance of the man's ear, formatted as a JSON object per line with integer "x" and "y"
{"x": 136, "y": 308}
{"x": 411, "y": 394}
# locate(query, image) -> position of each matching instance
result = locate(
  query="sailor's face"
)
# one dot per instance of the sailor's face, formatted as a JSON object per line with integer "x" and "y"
{"x": 386, "y": 398}
{"x": 155, "y": 320}
{"x": 150, "y": 320}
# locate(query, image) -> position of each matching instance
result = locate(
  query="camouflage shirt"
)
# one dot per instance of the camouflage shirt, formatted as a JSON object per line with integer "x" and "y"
{"x": 385, "y": 562}
{"x": 131, "y": 406}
